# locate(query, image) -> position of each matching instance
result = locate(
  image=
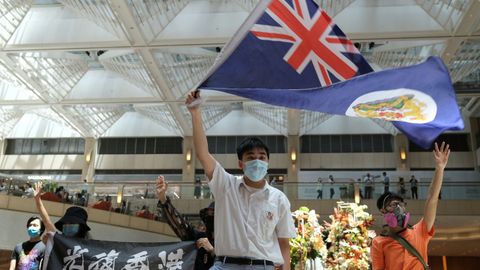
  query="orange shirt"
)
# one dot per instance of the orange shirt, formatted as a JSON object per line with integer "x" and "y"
{"x": 389, "y": 254}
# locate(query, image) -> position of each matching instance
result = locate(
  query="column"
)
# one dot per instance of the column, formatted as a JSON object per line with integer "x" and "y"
{"x": 3, "y": 146}
{"x": 293, "y": 166}
{"x": 474, "y": 130}
{"x": 88, "y": 168}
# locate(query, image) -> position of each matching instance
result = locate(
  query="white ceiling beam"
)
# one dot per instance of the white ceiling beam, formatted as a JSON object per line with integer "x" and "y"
{"x": 70, "y": 120}
{"x": 35, "y": 88}
{"x": 386, "y": 125}
{"x": 135, "y": 35}
{"x": 310, "y": 120}
{"x": 464, "y": 30}
{"x": 16, "y": 71}
{"x": 214, "y": 42}
{"x": 273, "y": 116}
{"x": 12, "y": 14}
{"x": 293, "y": 122}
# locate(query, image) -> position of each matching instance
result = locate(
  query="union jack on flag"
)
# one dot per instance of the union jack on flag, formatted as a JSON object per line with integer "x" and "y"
{"x": 314, "y": 37}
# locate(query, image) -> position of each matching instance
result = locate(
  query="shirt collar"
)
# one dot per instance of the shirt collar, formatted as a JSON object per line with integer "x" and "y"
{"x": 241, "y": 183}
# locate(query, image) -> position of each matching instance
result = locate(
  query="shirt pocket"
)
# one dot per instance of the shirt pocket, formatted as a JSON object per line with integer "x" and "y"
{"x": 268, "y": 220}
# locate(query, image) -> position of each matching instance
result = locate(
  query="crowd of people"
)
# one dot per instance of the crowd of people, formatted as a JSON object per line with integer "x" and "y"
{"x": 368, "y": 186}
{"x": 250, "y": 223}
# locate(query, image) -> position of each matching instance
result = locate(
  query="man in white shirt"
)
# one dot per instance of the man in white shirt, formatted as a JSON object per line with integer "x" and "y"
{"x": 253, "y": 221}
{"x": 368, "y": 179}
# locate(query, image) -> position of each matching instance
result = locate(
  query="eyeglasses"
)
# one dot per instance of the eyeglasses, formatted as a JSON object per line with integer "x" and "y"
{"x": 395, "y": 204}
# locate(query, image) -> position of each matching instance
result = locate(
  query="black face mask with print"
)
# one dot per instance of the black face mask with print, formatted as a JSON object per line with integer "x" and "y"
{"x": 208, "y": 220}
{"x": 207, "y": 216}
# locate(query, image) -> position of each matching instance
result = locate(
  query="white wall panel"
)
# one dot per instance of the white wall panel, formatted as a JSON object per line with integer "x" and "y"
{"x": 41, "y": 162}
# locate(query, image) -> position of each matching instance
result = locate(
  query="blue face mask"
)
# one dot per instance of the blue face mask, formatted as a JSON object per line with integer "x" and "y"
{"x": 33, "y": 231}
{"x": 70, "y": 229}
{"x": 255, "y": 170}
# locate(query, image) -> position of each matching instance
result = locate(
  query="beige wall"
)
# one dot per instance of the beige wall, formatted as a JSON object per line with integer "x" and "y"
{"x": 348, "y": 160}
{"x": 149, "y": 161}
{"x": 456, "y": 160}
{"x": 177, "y": 161}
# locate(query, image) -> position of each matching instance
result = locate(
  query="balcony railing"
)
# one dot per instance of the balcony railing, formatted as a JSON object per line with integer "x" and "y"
{"x": 139, "y": 198}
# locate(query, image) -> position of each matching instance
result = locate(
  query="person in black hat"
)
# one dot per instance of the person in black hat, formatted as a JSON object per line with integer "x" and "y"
{"x": 389, "y": 250}
{"x": 72, "y": 224}
{"x": 185, "y": 231}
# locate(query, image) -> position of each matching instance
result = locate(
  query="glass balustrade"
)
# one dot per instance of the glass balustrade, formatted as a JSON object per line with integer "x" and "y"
{"x": 139, "y": 198}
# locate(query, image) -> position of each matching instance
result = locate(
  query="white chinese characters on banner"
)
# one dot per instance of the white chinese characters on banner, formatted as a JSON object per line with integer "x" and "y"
{"x": 75, "y": 260}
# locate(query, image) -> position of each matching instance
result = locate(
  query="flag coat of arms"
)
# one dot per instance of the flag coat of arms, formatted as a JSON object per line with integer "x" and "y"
{"x": 290, "y": 53}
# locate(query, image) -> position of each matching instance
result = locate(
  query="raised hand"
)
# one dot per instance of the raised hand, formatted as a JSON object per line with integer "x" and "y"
{"x": 193, "y": 101}
{"x": 440, "y": 155}
{"x": 38, "y": 189}
{"x": 204, "y": 243}
{"x": 161, "y": 187}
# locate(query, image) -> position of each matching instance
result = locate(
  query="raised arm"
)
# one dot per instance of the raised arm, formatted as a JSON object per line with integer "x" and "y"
{"x": 175, "y": 220}
{"x": 199, "y": 137}
{"x": 49, "y": 227}
{"x": 440, "y": 156}
{"x": 13, "y": 264}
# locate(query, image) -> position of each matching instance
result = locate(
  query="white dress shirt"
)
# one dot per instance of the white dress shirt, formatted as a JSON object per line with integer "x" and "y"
{"x": 249, "y": 221}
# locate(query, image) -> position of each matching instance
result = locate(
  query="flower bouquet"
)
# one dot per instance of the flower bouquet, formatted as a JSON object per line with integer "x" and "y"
{"x": 349, "y": 238}
{"x": 307, "y": 249}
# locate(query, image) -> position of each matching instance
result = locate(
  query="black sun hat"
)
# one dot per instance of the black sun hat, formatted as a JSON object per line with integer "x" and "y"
{"x": 387, "y": 196}
{"x": 73, "y": 215}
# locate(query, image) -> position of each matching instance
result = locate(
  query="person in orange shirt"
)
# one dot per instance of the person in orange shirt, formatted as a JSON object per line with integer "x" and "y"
{"x": 386, "y": 252}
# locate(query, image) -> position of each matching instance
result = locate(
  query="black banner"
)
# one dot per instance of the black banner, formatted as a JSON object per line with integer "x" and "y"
{"x": 76, "y": 254}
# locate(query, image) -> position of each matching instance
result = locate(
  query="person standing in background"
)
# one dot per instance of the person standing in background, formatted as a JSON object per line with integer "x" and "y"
{"x": 386, "y": 182}
{"x": 197, "y": 192}
{"x": 368, "y": 180}
{"x": 403, "y": 190}
{"x": 332, "y": 190}
{"x": 319, "y": 188}
{"x": 414, "y": 187}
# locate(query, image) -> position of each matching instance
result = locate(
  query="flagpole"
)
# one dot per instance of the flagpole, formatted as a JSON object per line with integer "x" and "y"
{"x": 235, "y": 40}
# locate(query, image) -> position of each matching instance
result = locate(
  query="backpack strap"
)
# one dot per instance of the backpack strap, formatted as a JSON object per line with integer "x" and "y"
{"x": 410, "y": 249}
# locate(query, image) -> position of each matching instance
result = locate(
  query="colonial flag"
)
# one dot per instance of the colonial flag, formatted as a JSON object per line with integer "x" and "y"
{"x": 290, "y": 53}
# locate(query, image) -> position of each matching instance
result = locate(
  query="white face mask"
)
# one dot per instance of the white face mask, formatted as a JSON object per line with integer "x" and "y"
{"x": 255, "y": 170}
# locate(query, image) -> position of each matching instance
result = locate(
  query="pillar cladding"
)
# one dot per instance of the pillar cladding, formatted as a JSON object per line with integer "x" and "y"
{"x": 89, "y": 156}
{"x": 293, "y": 142}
